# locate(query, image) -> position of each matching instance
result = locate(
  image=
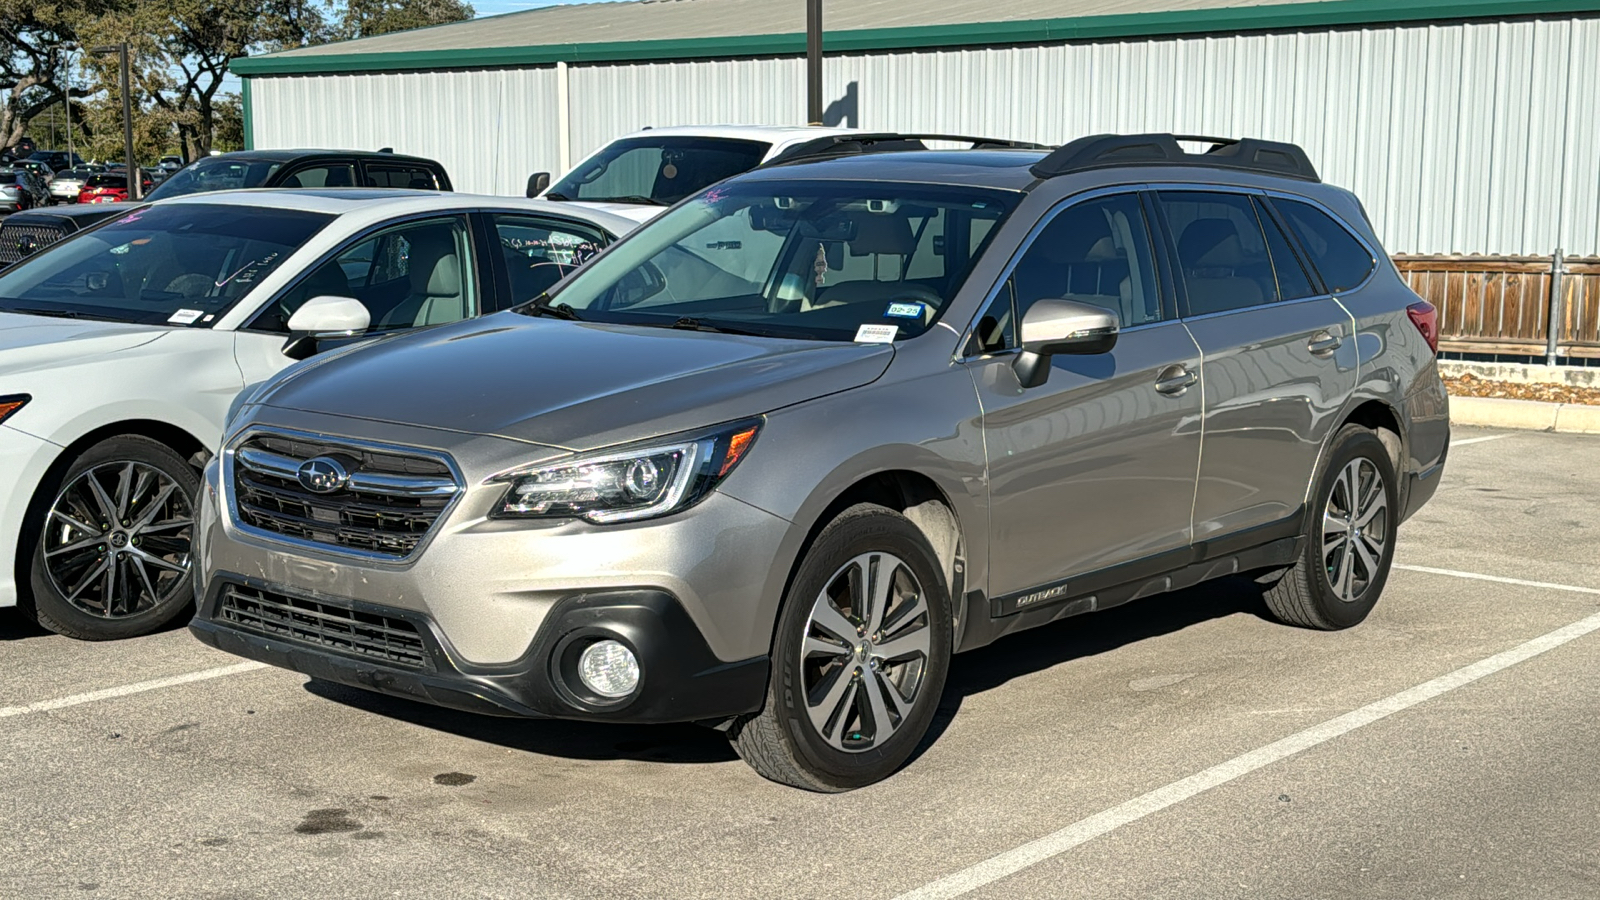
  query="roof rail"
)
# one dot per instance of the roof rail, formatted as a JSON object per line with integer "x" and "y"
{"x": 850, "y": 144}
{"x": 1102, "y": 151}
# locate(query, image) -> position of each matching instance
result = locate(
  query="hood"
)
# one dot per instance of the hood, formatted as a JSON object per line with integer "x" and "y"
{"x": 638, "y": 212}
{"x": 35, "y": 342}
{"x": 574, "y": 385}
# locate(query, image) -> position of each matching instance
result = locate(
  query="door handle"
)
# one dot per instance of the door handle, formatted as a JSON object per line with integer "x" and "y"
{"x": 1322, "y": 343}
{"x": 1174, "y": 380}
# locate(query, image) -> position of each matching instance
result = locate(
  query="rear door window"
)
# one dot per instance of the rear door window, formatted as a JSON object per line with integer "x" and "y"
{"x": 321, "y": 175}
{"x": 1222, "y": 251}
{"x": 1341, "y": 260}
{"x": 395, "y": 175}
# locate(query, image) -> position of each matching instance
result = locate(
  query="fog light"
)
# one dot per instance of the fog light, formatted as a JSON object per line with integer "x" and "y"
{"x": 609, "y": 669}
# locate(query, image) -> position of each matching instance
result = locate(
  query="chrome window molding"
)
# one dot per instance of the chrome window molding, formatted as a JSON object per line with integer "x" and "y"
{"x": 228, "y": 487}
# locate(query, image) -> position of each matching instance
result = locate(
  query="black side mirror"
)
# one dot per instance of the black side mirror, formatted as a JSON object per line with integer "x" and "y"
{"x": 537, "y": 182}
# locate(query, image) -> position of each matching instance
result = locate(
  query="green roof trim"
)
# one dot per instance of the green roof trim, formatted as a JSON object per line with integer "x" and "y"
{"x": 1275, "y": 16}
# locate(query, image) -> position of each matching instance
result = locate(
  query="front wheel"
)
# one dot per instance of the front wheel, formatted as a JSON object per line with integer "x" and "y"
{"x": 859, "y": 661}
{"x": 112, "y": 537}
{"x": 1349, "y": 541}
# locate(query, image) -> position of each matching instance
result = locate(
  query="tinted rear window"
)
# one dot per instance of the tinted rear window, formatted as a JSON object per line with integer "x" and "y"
{"x": 1341, "y": 259}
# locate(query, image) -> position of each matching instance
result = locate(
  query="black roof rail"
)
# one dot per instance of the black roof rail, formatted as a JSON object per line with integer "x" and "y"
{"x": 1103, "y": 151}
{"x": 850, "y": 144}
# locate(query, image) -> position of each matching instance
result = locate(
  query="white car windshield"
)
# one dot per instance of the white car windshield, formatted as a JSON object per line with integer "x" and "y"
{"x": 809, "y": 259}
{"x": 657, "y": 171}
{"x": 181, "y": 264}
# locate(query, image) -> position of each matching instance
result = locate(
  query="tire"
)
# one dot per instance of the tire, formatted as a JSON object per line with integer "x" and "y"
{"x": 841, "y": 748}
{"x": 94, "y": 578}
{"x": 1349, "y": 547}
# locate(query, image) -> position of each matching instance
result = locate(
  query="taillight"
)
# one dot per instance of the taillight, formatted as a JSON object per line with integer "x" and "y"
{"x": 1426, "y": 318}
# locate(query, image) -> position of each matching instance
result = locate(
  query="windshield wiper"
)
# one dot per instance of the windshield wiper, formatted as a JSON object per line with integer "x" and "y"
{"x": 53, "y": 313}
{"x": 552, "y": 195}
{"x": 541, "y": 306}
{"x": 690, "y": 323}
{"x": 631, "y": 198}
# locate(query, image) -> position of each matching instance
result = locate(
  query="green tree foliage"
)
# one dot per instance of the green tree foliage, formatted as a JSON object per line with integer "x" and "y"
{"x": 365, "y": 18}
{"x": 35, "y": 42}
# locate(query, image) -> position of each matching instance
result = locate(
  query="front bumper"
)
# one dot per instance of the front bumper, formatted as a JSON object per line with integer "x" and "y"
{"x": 681, "y": 679}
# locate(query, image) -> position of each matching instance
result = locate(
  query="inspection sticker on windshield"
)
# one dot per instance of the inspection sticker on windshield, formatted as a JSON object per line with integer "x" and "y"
{"x": 877, "y": 334}
{"x": 185, "y": 316}
{"x": 905, "y": 310}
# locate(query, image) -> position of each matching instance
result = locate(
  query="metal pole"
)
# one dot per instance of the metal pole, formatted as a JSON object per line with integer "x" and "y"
{"x": 1558, "y": 267}
{"x": 67, "y": 102}
{"x": 814, "y": 61}
{"x": 127, "y": 127}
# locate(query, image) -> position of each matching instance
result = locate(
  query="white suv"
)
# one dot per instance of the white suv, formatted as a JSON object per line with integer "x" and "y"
{"x": 123, "y": 347}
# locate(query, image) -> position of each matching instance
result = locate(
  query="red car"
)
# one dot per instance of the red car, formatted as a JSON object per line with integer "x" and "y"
{"x": 111, "y": 187}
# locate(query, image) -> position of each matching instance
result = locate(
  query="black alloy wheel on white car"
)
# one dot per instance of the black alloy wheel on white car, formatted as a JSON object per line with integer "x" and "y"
{"x": 112, "y": 540}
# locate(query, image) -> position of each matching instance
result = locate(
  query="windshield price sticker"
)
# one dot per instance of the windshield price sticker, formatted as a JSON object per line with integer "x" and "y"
{"x": 905, "y": 310}
{"x": 185, "y": 317}
{"x": 877, "y": 334}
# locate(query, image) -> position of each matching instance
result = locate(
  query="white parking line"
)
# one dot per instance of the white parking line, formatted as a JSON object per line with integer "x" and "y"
{"x": 1085, "y": 830}
{"x": 1478, "y": 440}
{"x": 1500, "y": 579}
{"x": 137, "y": 687}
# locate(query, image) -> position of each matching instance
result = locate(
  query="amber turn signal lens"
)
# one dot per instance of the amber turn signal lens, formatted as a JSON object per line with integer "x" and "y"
{"x": 738, "y": 444}
{"x": 9, "y": 405}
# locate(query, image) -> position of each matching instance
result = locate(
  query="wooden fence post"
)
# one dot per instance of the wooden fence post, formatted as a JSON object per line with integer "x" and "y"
{"x": 1553, "y": 331}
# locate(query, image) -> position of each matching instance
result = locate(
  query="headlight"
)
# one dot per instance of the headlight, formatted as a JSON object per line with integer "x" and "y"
{"x": 655, "y": 479}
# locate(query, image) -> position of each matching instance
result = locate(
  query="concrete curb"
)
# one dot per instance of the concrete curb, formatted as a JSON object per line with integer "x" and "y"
{"x": 1496, "y": 412}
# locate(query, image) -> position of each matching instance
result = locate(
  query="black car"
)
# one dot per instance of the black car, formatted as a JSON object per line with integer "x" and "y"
{"x": 303, "y": 168}
{"x": 25, "y": 233}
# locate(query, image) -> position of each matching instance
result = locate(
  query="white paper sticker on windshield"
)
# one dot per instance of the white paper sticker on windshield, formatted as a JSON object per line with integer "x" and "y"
{"x": 877, "y": 334}
{"x": 185, "y": 316}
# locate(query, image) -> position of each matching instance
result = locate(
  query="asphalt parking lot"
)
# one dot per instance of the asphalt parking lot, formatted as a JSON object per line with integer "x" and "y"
{"x": 1183, "y": 746}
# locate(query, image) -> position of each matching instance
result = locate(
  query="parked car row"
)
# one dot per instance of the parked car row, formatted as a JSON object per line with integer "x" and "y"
{"x": 842, "y": 407}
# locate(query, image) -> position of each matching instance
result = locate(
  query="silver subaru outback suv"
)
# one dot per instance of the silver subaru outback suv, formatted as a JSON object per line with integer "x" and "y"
{"x": 767, "y": 463}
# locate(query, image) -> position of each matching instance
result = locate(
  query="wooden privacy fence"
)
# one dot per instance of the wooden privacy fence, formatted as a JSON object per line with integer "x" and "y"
{"x": 1504, "y": 304}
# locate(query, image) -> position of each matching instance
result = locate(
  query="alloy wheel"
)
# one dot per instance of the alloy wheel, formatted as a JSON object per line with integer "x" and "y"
{"x": 117, "y": 540}
{"x": 865, "y": 652}
{"x": 1355, "y": 529}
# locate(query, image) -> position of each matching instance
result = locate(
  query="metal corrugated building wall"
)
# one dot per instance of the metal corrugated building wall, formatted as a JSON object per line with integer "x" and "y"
{"x": 1466, "y": 137}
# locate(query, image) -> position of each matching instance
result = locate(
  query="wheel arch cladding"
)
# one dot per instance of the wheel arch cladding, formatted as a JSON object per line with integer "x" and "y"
{"x": 915, "y": 496}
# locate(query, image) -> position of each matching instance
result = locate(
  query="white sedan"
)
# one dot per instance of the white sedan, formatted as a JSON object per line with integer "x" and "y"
{"x": 122, "y": 348}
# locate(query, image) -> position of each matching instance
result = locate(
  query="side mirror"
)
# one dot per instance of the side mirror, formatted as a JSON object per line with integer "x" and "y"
{"x": 1053, "y": 327}
{"x": 537, "y": 182}
{"x": 324, "y": 316}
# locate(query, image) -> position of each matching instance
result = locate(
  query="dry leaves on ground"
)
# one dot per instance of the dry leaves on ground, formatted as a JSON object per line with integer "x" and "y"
{"x": 1470, "y": 386}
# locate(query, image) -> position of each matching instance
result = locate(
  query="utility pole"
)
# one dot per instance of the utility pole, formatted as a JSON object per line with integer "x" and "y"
{"x": 814, "y": 61}
{"x": 66, "y": 101}
{"x": 134, "y": 181}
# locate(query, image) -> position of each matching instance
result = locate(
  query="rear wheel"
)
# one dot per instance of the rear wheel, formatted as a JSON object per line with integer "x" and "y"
{"x": 862, "y": 649}
{"x": 111, "y": 542}
{"x": 1349, "y": 544}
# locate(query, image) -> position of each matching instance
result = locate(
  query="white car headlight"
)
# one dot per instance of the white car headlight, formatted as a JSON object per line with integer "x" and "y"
{"x": 622, "y": 485}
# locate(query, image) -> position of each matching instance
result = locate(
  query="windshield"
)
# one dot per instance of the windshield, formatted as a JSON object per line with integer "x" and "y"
{"x": 182, "y": 264}
{"x": 657, "y": 170}
{"x": 809, "y": 259}
{"x": 215, "y": 175}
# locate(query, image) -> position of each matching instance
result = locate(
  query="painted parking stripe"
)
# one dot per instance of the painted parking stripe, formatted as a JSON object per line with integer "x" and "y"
{"x": 1500, "y": 579}
{"x": 137, "y": 687}
{"x": 1085, "y": 830}
{"x": 1478, "y": 440}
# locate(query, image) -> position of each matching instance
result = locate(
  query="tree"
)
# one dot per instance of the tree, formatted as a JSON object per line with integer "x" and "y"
{"x": 365, "y": 18}
{"x": 35, "y": 39}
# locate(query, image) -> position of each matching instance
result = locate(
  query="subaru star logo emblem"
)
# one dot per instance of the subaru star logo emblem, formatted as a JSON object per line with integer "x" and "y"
{"x": 323, "y": 475}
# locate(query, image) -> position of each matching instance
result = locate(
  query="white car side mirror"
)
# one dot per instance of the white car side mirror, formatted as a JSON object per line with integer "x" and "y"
{"x": 329, "y": 316}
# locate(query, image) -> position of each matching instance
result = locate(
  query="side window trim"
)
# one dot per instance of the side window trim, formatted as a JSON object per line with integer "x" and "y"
{"x": 349, "y": 243}
{"x": 1373, "y": 255}
{"x": 968, "y": 335}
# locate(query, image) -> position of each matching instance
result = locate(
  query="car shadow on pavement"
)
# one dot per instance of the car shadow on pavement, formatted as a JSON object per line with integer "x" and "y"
{"x": 971, "y": 673}
{"x": 16, "y": 626}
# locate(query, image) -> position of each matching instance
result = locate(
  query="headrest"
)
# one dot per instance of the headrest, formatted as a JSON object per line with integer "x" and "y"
{"x": 338, "y": 176}
{"x": 445, "y": 279}
{"x": 877, "y": 233}
{"x": 293, "y": 181}
{"x": 1210, "y": 243}
{"x": 434, "y": 269}
{"x": 1103, "y": 249}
